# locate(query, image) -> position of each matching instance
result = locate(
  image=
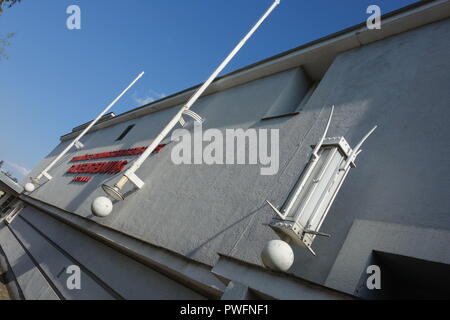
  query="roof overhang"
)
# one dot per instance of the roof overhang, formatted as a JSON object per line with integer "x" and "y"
{"x": 9, "y": 185}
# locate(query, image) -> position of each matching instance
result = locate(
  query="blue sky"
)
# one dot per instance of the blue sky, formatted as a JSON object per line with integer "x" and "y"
{"x": 56, "y": 79}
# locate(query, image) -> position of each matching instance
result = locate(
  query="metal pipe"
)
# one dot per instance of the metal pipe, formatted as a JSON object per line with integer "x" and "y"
{"x": 114, "y": 192}
{"x": 45, "y": 171}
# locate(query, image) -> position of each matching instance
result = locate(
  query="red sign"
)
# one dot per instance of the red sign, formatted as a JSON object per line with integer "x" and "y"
{"x": 82, "y": 179}
{"x": 110, "y": 154}
{"x": 110, "y": 167}
{"x": 117, "y": 153}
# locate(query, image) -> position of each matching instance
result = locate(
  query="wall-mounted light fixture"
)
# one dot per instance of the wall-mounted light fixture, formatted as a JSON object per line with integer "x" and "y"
{"x": 102, "y": 206}
{"x": 298, "y": 222}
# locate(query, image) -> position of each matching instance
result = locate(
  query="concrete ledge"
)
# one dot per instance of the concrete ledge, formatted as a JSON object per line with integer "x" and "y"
{"x": 53, "y": 262}
{"x": 193, "y": 275}
{"x": 272, "y": 285}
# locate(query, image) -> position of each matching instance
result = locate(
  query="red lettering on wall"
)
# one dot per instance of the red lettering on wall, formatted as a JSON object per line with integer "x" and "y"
{"x": 117, "y": 153}
{"x": 82, "y": 179}
{"x": 110, "y": 167}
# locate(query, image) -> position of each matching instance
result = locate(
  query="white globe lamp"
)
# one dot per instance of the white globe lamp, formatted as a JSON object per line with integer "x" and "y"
{"x": 277, "y": 255}
{"x": 29, "y": 187}
{"x": 101, "y": 206}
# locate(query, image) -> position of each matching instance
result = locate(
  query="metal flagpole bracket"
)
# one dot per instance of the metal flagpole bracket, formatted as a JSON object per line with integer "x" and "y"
{"x": 191, "y": 114}
{"x": 134, "y": 179}
{"x": 45, "y": 174}
{"x": 78, "y": 145}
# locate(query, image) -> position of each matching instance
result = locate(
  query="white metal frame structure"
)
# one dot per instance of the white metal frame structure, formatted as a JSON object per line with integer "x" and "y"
{"x": 130, "y": 174}
{"x": 76, "y": 142}
{"x": 301, "y": 217}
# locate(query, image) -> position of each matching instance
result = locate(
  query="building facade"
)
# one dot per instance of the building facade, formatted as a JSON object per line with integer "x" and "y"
{"x": 197, "y": 231}
{"x": 9, "y": 191}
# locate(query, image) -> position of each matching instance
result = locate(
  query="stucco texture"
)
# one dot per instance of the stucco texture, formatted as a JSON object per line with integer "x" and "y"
{"x": 402, "y": 175}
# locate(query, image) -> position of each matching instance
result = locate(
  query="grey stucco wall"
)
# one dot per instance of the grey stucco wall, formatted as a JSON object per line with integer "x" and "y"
{"x": 205, "y": 203}
{"x": 402, "y": 176}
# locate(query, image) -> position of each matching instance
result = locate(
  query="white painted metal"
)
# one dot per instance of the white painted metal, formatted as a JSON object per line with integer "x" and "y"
{"x": 309, "y": 169}
{"x": 45, "y": 174}
{"x": 135, "y": 179}
{"x": 356, "y": 150}
{"x": 77, "y": 139}
{"x": 282, "y": 216}
{"x": 79, "y": 145}
{"x": 115, "y": 191}
{"x": 191, "y": 114}
{"x": 314, "y": 154}
{"x": 309, "y": 202}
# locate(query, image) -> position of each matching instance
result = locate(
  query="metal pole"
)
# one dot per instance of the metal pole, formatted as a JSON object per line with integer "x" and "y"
{"x": 130, "y": 173}
{"x": 45, "y": 171}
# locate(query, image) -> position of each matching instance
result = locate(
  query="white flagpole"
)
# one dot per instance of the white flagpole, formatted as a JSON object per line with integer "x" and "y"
{"x": 29, "y": 186}
{"x": 129, "y": 174}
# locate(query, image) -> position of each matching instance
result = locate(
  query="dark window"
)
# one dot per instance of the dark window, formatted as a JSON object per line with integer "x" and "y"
{"x": 125, "y": 132}
{"x": 406, "y": 278}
